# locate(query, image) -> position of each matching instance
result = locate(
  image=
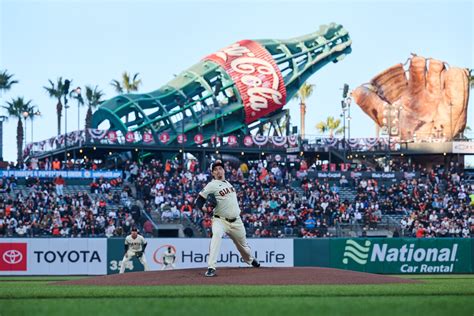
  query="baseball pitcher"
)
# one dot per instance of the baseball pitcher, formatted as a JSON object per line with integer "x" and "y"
{"x": 134, "y": 247}
{"x": 221, "y": 195}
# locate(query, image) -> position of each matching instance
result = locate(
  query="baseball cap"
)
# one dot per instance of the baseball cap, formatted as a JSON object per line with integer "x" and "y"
{"x": 216, "y": 163}
{"x": 134, "y": 229}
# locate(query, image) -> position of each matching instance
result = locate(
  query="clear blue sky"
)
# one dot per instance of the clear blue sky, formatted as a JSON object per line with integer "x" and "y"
{"x": 93, "y": 42}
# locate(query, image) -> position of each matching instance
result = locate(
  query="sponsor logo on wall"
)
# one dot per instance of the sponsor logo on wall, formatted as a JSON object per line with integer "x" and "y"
{"x": 411, "y": 257}
{"x": 13, "y": 256}
{"x": 50, "y": 256}
{"x": 195, "y": 253}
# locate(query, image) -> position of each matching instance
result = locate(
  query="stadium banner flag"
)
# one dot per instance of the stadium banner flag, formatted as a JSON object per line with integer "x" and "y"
{"x": 193, "y": 253}
{"x": 389, "y": 255}
{"x": 115, "y": 252}
{"x": 51, "y": 256}
{"x": 67, "y": 174}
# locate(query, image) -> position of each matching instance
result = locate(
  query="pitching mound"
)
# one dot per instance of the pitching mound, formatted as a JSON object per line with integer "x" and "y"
{"x": 244, "y": 276}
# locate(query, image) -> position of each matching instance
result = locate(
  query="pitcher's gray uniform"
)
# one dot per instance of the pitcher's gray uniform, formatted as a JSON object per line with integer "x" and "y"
{"x": 134, "y": 246}
{"x": 226, "y": 219}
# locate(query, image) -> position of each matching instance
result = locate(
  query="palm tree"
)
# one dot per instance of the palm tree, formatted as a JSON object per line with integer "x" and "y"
{"x": 303, "y": 94}
{"x": 93, "y": 97}
{"x": 331, "y": 125}
{"x": 126, "y": 84}
{"x": 16, "y": 108}
{"x": 5, "y": 81}
{"x": 57, "y": 91}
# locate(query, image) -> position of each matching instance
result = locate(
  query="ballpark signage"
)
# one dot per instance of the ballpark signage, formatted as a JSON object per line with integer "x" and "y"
{"x": 256, "y": 75}
{"x": 404, "y": 255}
{"x": 13, "y": 256}
{"x": 48, "y": 256}
{"x": 68, "y": 174}
{"x": 193, "y": 253}
{"x": 463, "y": 147}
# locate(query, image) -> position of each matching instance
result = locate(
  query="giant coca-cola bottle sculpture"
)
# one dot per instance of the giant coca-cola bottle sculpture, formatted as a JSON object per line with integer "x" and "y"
{"x": 226, "y": 91}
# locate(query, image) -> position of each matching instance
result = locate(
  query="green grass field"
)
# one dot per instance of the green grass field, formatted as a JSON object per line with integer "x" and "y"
{"x": 437, "y": 295}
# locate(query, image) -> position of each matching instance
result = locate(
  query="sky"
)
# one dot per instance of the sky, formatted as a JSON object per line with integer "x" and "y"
{"x": 94, "y": 42}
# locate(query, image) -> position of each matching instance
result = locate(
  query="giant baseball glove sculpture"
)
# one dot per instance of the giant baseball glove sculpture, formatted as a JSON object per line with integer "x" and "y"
{"x": 430, "y": 103}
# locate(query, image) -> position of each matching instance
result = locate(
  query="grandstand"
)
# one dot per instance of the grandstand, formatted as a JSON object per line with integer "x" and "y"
{"x": 278, "y": 199}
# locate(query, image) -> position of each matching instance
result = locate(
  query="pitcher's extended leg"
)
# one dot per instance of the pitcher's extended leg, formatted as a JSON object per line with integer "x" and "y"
{"x": 218, "y": 230}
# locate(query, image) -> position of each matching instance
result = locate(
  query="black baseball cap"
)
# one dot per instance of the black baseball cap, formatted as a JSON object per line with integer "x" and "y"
{"x": 134, "y": 229}
{"x": 217, "y": 163}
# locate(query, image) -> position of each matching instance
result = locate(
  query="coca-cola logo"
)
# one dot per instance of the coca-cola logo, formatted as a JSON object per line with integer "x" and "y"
{"x": 256, "y": 75}
{"x": 254, "y": 69}
{"x": 12, "y": 256}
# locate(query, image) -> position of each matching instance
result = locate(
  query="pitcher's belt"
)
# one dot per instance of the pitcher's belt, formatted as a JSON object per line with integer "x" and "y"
{"x": 230, "y": 220}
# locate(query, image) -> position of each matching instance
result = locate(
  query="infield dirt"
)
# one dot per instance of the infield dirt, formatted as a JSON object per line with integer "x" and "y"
{"x": 242, "y": 276}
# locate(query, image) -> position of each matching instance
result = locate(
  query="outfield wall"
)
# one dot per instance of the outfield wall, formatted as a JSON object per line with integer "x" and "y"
{"x": 98, "y": 256}
{"x": 53, "y": 256}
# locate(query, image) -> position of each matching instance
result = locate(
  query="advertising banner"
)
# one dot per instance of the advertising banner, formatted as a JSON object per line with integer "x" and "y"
{"x": 336, "y": 175}
{"x": 48, "y": 256}
{"x": 67, "y": 174}
{"x": 466, "y": 147}
{"x": 256, "y": 76}
{"x": 193, "y": 253}
{"x": 402, "y": 255}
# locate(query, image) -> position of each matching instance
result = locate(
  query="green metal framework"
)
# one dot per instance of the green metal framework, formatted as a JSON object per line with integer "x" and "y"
{"x": 204, "y": 99}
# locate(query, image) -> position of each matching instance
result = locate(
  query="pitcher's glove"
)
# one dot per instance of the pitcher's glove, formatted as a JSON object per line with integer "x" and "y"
{"x": 430, "y": 103}
{"x": 139, "y": 254}
{"x": 211, "y": 200}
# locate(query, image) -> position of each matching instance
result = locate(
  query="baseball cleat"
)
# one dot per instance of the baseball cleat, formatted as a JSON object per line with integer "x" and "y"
{"x": 210, "y": 272}
{"x": 255, "y": 263}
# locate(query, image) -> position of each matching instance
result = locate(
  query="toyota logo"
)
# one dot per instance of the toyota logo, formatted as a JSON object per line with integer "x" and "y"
{"x": 12, "y": 256}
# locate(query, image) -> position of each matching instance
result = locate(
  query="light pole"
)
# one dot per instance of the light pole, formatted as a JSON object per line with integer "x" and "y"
{"x": 37, "y": 113}
{"x": 65, "y": 132}
{"x": 66, "y": 86}
{"x": 345, "y": 105}
{"x": 2, "y": 119}
{"x": 349, "y": 118}
{"x": 76, "y": 93}
{"x": 25, "y": 116}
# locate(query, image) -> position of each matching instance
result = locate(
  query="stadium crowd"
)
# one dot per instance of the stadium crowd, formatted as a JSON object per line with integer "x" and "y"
{"x": 276, "y": 201}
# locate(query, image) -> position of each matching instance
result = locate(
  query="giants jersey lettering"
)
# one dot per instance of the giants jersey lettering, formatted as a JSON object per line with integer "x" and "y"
{"x": 227, "y": 204}
{"x": 135, "y": 244}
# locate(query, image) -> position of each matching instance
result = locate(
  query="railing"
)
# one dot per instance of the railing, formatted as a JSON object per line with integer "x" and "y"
{"x": 292, "y": 143}
{"x": 359, "y": 228}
